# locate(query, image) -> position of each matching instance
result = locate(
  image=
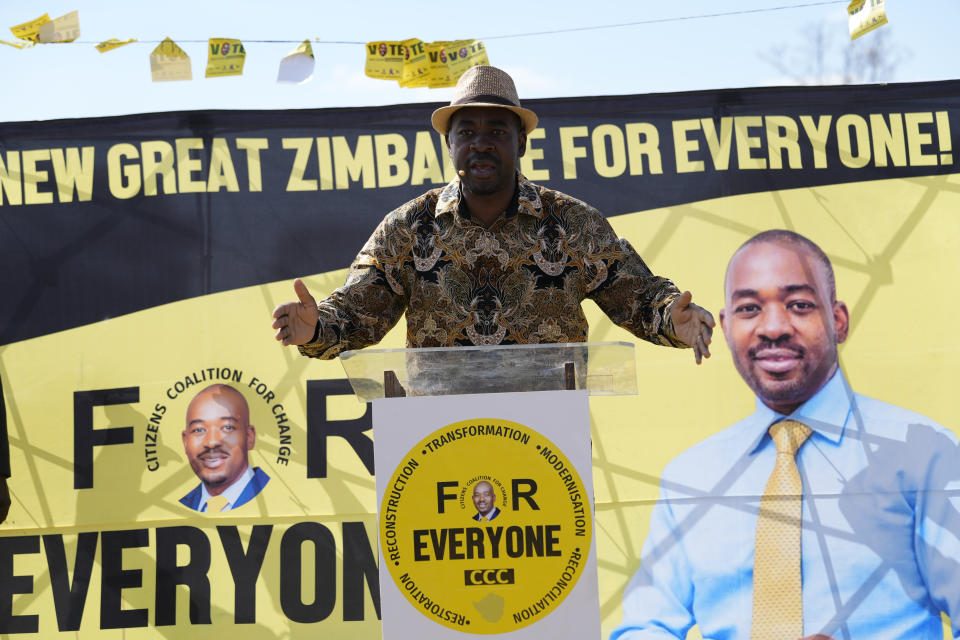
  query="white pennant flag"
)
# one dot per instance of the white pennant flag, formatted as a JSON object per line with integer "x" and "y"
{"x": 297, "y": 66}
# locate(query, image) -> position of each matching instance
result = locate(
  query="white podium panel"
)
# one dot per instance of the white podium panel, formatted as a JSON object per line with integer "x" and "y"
{"x": 486, "y": 516}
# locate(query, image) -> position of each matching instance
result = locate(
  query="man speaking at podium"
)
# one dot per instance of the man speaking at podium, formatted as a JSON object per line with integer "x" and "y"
{"x": 491, "y": 258}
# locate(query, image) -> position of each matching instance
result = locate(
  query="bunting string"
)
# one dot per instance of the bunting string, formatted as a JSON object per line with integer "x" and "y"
{"x": 410, "y": 62}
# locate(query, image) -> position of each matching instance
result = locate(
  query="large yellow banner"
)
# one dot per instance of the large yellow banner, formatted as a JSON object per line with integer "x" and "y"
{"x": 120, "y": 405}
{"x": 99, "y": 458}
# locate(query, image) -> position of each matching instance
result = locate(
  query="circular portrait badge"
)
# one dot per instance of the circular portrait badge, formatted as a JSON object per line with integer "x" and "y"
{"x": 485, "y": 526}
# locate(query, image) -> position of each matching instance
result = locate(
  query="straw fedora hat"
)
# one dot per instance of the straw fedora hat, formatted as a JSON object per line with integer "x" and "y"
{"x": 483, "y": 86}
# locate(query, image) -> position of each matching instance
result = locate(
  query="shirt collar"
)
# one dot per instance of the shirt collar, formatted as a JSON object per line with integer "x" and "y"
{"x": 493, "y": 513}
{"x": 231, "y": 493}
{"x": 527, "y": 198}
{"x": 826, "y": 412}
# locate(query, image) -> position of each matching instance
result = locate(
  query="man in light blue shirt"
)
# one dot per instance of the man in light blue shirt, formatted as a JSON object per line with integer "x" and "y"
{"x": 880, "y": 540}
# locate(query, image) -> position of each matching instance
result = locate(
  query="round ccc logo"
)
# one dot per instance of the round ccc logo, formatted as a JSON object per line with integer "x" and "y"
{"x": 485, "y": 526}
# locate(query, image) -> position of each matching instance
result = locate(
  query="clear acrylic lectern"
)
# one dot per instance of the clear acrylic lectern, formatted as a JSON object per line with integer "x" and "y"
{"x": 600, "y": 368}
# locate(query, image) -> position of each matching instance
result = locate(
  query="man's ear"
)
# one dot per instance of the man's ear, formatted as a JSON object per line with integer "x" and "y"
{"x": 522, "y": 143}
{"x": 841, "y": 318}
{"x": 251, "y": 437}
{"x": 723, "y": 326}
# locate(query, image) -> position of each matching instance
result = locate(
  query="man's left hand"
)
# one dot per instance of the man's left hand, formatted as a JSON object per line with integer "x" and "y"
{"x": 693, "y": 324}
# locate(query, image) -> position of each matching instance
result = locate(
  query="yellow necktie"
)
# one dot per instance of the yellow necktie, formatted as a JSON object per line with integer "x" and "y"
{"x": 215, "y": 504}
{"x": 777, "y": 601}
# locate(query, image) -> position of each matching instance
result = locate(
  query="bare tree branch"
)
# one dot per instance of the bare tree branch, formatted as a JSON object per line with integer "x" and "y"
{"x": 824, "y": 54}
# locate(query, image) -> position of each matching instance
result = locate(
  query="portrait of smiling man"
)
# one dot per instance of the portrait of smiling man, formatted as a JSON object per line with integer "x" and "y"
{"x": 484, "y": 499}
{"x": 217, "y": 440}
{"x": 824, "y": 514}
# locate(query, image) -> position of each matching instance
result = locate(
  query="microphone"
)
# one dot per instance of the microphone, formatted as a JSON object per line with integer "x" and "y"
{"x": 461, "y": 173}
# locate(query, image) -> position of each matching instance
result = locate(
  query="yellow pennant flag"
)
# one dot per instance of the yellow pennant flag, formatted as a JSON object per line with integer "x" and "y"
{"x": 305, "y": 48}
{"x": 416, "y": 69}
{"x": 66, "y": 28}
{"x": 463, "y": 54}
{"x": 30, "y": 30}
{"x": 225, "y": 57}
{"x": 169, "y": 62}
{"x": 438, "y": 74}
{"x": 113, "y": 43}
{"x": 384, "y": 60}
{"x": 865, "y": 16}
{"x": 23, "y": 44}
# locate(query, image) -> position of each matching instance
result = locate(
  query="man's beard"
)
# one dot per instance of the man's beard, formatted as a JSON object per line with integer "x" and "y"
{"x": 795, "y": 390}
{"x": 485, "y": 188}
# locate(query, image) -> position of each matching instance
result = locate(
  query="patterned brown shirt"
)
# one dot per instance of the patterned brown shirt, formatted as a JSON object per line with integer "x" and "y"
{"x": 519, "y": 281}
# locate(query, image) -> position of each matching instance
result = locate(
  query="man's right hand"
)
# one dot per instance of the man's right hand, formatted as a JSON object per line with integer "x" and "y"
{"x": 295, "y": 322}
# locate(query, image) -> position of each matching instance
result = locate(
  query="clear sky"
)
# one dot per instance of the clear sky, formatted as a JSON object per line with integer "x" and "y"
{"x": 670, "y": 50}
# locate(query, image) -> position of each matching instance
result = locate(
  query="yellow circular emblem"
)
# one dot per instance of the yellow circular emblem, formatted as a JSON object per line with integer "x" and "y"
{"x": 485, "y": 526}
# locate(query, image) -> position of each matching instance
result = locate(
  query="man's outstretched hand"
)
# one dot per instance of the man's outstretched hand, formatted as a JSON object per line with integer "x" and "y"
{"x": 693, "y": 324}
{"x": 295, "y": 322}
